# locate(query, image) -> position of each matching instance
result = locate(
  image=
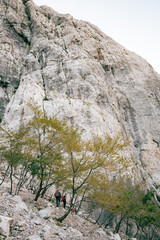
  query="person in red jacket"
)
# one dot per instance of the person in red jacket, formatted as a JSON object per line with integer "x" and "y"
{"x": 58, "y": 198}
{"x": 64, "y": 201}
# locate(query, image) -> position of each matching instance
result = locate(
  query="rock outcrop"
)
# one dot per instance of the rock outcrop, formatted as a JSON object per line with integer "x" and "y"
{"x": 75, "y": 71}
{"x": 5, "y": 223}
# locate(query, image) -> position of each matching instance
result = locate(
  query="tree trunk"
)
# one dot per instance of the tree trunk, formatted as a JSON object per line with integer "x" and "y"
{"x": 11, "y": 179}
{"x": 99, "y": 216}
{"x": 137, "y": 231}
{"x": 103, "y": 223}
{"x": 118, "y": 225}
{"x": 110, "y": 220}
{"x": 22, "y": 180}
{"x": 81, "y": 200}
{"x": 39, "y": 191}
{"x": 5, "y": 175}
{"x": 45, "y": 189}
{"x": 127, "y": 226}
{"x": 64, "y": 216}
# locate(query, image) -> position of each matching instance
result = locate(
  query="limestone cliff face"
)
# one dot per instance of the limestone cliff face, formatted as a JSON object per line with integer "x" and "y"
{"x": 75, "y": 71}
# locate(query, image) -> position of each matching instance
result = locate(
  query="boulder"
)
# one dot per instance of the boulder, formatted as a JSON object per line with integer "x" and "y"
{"x": 45, "y": 213}
{"x": 5, "y": 194}
{"x": 48, "y": 231}
{"x": 37, "y": 221}
{"x": 5, "y": 223}
{"x": 100, "y": 234}
{"x": 34, "y": 237}
{"x": 17, "y": 199}
{"x": 21, "y": 223}
{"x": 111, "y": 236}
{"x": 70, "y": 233}
{"x": 116, "y": 237}
{"x": 21, "y": 206}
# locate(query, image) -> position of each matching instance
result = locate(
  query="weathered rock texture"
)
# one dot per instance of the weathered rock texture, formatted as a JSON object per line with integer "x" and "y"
{"x": 75, "y": 71}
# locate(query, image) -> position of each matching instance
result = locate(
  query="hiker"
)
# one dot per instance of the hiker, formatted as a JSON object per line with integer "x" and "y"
{"x": 64, "y": 201}
{"x": 58, "y": 197}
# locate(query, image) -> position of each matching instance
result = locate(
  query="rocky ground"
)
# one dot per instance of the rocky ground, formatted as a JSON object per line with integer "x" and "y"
{"x": 23, "y": 218}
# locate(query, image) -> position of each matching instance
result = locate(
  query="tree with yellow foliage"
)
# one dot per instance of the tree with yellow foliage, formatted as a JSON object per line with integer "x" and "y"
{"x": 128, "y": 201}
{"x": 44, "y": 141}
{"x": 86, "y": 161}
{"x": 11, "y": 145}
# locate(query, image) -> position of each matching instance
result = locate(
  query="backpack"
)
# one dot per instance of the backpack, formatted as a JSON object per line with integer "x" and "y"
{"x": 63, "y": 198}
{"x": 57, "y": 194}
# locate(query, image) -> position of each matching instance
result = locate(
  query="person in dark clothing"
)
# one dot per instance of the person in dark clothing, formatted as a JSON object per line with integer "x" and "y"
{"x": 58, "y": 198}
{"x": 64, "y": 201}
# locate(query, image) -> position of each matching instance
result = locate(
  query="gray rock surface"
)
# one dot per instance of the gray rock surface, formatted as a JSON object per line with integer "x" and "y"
{"x": 45, "y": 213}
{"x": 5, "y": 223}
{"x": 17, "y": 199}
{"x": 34, "y": 237}
{"x": 74, "y": 70}
{"x": 20, "y": 207}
